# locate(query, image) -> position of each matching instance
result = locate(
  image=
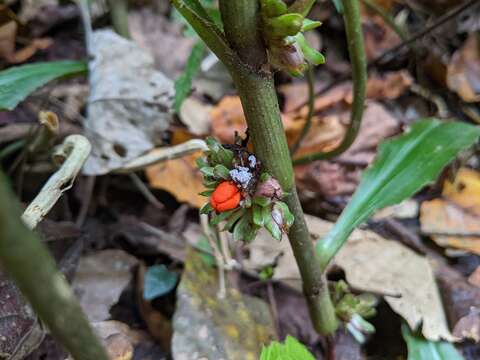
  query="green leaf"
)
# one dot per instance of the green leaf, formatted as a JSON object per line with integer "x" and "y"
{"x": 158, "y": 281}
{"x": 183, "y": 84}
{"x": 291, "y": 350}
{"x": 270, "y": 224}
{"x": 313, "y": 56}
{"x": 221, "y": 171}
{"x": 421, "y": 349}
{"x": 206, "y": 193}
{"x": 207, "y": 208}
{"x": 16, "y": 83}
{"x": 310, "y": 24}
{"x": 207, "y": 170}
{"x": 288, "y": 217}
{"x": 218, "y": 218}
{"x": 403, "y": 166}
{"x": 201, "y": 162}
{"x": 233, "y": 219}
{"x": 261, "y": 201}
{"x": 257, "y": 215}
{"x": 207, "y": 30}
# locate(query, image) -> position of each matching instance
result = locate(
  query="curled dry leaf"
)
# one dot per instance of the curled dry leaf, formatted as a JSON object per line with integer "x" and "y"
{"x": 371, "y": 264}
{"x": 127, "y": 110}
{"x": 180, "y": 177}
{"x": 206, "y": 327}
{"x": 463, "y": 71}
{"x": 101, "y": 279}
{"x": 454, "y": 220}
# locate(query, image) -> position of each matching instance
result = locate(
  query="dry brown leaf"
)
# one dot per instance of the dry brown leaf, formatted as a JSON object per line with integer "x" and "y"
{"x": 180, "y": 177}
{"x": 474, "y": 278}
{"x": 101, "y": 279}
{"x": 454, "y": 222}
{"x": 371, "y": 264}
{"x": 341, "y": 178}
{"x": 378, "y": 36}
{"x": 464, "y": 190}
{"x": 463, "y": 71}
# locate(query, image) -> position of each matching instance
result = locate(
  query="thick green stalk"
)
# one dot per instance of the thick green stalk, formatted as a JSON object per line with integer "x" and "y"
{"x": 259, "y": 100}
{"x": 119, "y": 16}
{"x": 353, "y": 29}
{"x": 28, "y": 262}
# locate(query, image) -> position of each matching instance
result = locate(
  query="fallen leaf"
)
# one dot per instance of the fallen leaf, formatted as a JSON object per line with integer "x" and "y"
{"x": 461, "y": 301}
{"x": 464, "y": 190}
{"x": 206, "y": 327}
{"x": 463, "y": 71}
{"x": 196, "y": 116}
{"x": 180, "y": 177}
{"x": 119, "y": 340}
{"x": 454, "y": 221}
{"x": 127, "y": 110}
{"x": 474, "y": 278}
{"x": 149, "y": 29}
{"x": 371, "y": 264}
{"x": 341, "y": 178}
{"x": 378, "y": 36}
{"x": 20, "y": 330}
{"x": 100, "y": 280}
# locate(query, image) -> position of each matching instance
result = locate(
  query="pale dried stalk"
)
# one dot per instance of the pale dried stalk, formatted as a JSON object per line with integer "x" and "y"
{"x": 162, "y": 154}
{"x": 73, "y": 153}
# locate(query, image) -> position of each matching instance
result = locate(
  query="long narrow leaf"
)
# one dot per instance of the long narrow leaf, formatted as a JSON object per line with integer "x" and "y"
{"x": 403, "y": 166}
{"x": 420, "y": 348}
{"x": 208, "y": 31}
{"x": 16, "y": 83}
{"x": 183, "y": 84}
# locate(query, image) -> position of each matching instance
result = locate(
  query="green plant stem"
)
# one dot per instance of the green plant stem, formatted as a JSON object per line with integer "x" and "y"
{"x": 311, "y": 108}
{"x": 259, "y": 100}
{"x": 28, "y": 262}
{"x": 119, "y": 16}
{"x": 353, "y": 29}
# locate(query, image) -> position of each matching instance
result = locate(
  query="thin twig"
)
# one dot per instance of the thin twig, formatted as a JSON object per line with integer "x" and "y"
{"x": 222, "y": 289}
{"x": 145, "y": 191}
{"x": 439, "y": 22}
{"x": 87, "y": 197}
{"x": 311, "y": 108}
{"x": 73, "y": 152}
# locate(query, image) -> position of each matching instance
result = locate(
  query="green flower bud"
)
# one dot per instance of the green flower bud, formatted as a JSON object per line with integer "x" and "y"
{"x": 283, "y": 25}
{"x": 272, "y": 8}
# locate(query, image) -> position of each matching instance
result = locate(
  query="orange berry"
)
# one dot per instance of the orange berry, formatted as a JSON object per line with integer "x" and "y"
{"x": 226, "y": 196}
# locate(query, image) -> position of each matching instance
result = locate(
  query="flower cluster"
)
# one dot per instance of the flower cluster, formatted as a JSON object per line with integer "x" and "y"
{"x": 283, "y": 33}
{"x": 242, "y": 196}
